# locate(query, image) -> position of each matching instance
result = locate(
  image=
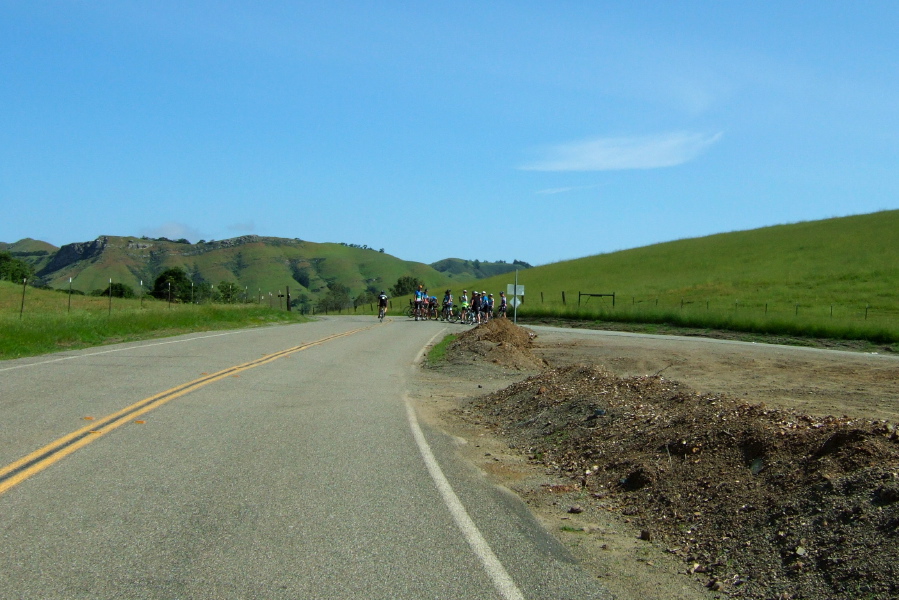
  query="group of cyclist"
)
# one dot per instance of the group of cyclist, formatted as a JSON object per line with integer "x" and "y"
{"x": 480, "y": 308}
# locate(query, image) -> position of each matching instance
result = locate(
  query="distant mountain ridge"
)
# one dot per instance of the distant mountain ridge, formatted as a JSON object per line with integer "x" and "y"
{"x": 259, "y": 264}
{"x": 468, "y": 270}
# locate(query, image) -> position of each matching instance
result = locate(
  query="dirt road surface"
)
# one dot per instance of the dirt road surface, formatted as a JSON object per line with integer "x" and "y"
{"x": 605, "y": 538}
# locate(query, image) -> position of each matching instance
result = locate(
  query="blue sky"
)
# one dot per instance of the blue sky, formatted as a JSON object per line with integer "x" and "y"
{"x": 488, "y": 130}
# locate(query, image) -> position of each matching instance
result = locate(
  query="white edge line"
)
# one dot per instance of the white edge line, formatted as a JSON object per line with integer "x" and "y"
{"x": 495, "y": 569}
{"x": 498, "y": 574}
{"x": 45, "y": 362}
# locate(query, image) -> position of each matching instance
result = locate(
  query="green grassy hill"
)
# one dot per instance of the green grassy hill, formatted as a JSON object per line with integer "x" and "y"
{"x": 254, "y": 263}
{"x": 465, "y": 270}
{"x": 34, "y": 252}
{"x": 845, "y": 267}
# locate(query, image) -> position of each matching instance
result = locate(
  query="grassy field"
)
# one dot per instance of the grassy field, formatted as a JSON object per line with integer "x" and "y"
{"x": 836, "y": 278}
{"x": 831, "y": 279}
{"x": 47, "y": 324}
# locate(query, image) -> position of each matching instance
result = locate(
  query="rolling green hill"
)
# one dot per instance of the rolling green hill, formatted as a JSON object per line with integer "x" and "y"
{"x": 811, "y": 277}
{"x": 845, "y": 267}
{"x": 254, "y": 263}
{"x": 34, "y": 252}
{"x": 466, "y": 270}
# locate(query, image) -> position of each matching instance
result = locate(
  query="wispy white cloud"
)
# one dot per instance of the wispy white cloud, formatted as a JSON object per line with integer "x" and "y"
{"x": 619, "y": 153}
{"x": 173, "y": 231}
{"x": 563, "y": 190}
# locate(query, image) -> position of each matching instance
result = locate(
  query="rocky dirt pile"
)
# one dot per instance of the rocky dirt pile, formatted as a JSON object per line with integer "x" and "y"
{"x": 758, "y": 502}
{"x": 499, "y": 342}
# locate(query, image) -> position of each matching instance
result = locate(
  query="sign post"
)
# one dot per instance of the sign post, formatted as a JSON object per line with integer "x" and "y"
{"x": 514, "y": 291}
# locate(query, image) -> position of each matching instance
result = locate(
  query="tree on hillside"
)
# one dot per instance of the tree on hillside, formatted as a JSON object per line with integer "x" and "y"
{"x": 118, "y": 290}
{"x": 366, "y": 297}
{"x": 302, "y": 302}
{"x": 337, "y": 298}
{"x": 13, "y": 269}
{"x": 228, "y": 292}
{"x": 174, "y": 280}
{"x": 204, "y": 292}
{"x": 301, "y": 275}
{"x": 405, "y": 285}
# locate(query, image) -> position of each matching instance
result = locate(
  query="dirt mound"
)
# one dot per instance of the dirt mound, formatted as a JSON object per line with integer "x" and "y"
{"x": 759, "y": 503}
{"x": 498, "y": 341}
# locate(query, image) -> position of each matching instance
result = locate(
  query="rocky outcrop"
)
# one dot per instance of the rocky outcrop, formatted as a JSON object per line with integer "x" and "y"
{"x": 71, "y": 253}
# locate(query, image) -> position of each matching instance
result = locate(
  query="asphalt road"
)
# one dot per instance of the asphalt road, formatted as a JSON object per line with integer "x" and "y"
{"x": 281, "y": 462}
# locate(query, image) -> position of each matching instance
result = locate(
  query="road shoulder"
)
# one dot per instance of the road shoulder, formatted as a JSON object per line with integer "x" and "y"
{"x": 607, "y": 544}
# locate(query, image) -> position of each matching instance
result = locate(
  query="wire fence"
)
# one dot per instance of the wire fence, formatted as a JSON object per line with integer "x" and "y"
{"x": 878, "y": 320}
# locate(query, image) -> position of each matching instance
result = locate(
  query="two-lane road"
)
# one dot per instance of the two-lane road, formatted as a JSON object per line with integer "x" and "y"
{"x": 280, "y": 462}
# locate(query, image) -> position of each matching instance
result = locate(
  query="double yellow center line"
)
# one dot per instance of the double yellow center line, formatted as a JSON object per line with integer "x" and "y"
{"x": 17, "y": 472}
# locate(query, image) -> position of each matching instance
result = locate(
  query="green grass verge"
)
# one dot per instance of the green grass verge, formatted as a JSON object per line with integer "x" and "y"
{"x": 438, "y": 352}
{"x": 875, "y": 331}
{"x": 38, "y": 333}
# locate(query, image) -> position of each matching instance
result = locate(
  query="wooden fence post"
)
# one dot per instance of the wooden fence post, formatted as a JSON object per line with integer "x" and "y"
{"x": 22, "y": 308}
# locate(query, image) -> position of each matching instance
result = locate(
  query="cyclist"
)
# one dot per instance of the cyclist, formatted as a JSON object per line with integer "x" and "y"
{"x": 502, "y": 304}
{"x": 434, "y": 310}
{"x": 447, "y": 305}
{"x": 476, "y": 307}
{"x": 489, "y": 312}
{"x": 419, "y": 301}
{"x": 382, "y": 305}
{"x": 463, "y": 300}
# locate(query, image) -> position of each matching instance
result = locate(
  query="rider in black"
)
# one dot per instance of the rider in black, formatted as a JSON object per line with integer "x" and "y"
{"x": 382, "y": 304}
